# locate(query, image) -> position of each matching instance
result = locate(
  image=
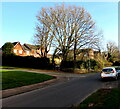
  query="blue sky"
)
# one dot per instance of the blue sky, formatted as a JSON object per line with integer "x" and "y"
{"x": 19, "y": 19}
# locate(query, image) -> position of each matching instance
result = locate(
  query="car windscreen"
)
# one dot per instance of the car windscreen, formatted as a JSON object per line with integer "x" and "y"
{"x": 107, "y": 70}
{"x": 117, "y": 68}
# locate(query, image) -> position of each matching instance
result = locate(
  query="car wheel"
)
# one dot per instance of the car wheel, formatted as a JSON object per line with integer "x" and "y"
{"x": 116, "y": 78}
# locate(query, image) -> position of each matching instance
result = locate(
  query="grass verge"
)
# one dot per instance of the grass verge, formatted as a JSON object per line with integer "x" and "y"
{"x": 102, "y": 99}
{"x": 12, "y": 79}
{"x": 20, "y": 68}
{"x": 23, "y": 68}
{"x": 67, "y": 70}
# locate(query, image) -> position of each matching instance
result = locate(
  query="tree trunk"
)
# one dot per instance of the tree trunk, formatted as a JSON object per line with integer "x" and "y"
{"x": 75, "y": 45}
{"x": 74, "y": 62}
{"x": 42, "y": 53}
{"x": 64, "y": 57}
{"x": 45, "y": 53}
{"x": 53, "y": 57}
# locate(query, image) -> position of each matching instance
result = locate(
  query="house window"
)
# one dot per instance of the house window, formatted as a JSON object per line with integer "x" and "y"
{"x": 20, "y": 51}
{"x": 27, "y": 52}
{"x": 15, "y": 51}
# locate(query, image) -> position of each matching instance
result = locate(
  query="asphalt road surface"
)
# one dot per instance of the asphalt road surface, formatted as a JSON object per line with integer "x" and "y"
{"x": 64, "y": 94}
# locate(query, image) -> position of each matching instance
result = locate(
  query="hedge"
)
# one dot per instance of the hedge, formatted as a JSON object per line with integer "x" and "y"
{"x": 81, "y": 64}
{"x": 27, "y": 61}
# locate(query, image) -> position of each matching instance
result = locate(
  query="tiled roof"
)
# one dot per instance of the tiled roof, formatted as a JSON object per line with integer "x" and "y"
{"x": 25, "y": 48}
{"x": 14, "y": 43}
{"x": 30, "y": 47}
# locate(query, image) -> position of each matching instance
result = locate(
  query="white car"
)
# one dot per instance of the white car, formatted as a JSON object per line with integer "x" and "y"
{"x": 109, "y": 72}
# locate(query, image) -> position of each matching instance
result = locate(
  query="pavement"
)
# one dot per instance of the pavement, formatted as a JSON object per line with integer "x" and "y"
{"x": 23, "y": 89}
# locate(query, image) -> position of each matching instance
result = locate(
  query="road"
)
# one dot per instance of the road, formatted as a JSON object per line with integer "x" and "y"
{"x": 63, "y": 94}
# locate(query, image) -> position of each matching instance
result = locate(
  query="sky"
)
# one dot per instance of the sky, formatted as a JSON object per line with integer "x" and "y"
{"x": 19, "y": 19}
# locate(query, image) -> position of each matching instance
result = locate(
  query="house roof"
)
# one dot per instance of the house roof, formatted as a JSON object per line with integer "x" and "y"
{"x": 14, "y": 43}
{"x": 25, "y": 48}
{"x": 30, "y": 47}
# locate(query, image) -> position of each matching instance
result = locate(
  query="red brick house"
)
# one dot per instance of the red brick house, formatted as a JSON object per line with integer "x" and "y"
{"x": 26, "y": 49}
{"x": 31, "y": 50}
{"x": 18, "y": 49}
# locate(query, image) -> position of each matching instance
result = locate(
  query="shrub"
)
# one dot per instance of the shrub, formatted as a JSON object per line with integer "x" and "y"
{"x": 91, "y": 63}
{"x": 7, "y": 49}
{"x": 80, "y": 64}
{"x": 116, "y": 63}
{"x": 66, "y": 64}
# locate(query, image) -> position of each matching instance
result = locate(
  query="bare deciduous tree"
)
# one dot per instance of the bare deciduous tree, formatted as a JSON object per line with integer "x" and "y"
{"x": 44, "y": 39}
{"x": 69, "y": 28}
{"x": 112, "y": 50}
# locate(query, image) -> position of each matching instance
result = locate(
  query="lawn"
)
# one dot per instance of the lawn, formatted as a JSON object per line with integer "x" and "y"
{"x": 9, "y": 67}
{"x": 102, "y": 99}
{"x": 12, "y": 79}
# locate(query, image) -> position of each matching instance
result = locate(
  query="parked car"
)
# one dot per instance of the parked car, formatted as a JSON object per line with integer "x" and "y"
{"x": 109, "y": 72}
{"x": 118, "y": 70}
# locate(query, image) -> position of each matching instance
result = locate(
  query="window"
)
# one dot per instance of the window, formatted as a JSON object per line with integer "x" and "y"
{"x": 107, "y": 70}
{"x": 117, "y": 69}
{"x": 15, "y": 51}
{"x": 20, "y": 51}
{"x": 27, "y": 53}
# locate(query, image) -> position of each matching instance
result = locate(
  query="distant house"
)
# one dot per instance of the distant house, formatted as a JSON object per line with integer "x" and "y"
{"x": 27, "y": 50}
{"x": 18, "y": 49}
{"x": 32, "y": 50}
{"x": 87, "y": 53}
{"x": 84, "y": 54}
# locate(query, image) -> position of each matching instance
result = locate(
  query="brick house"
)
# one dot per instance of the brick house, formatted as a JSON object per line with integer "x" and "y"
{"x": 18, "y": 49}
{"x": 32, "y": 50}
{"x": 26, "y": 49}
